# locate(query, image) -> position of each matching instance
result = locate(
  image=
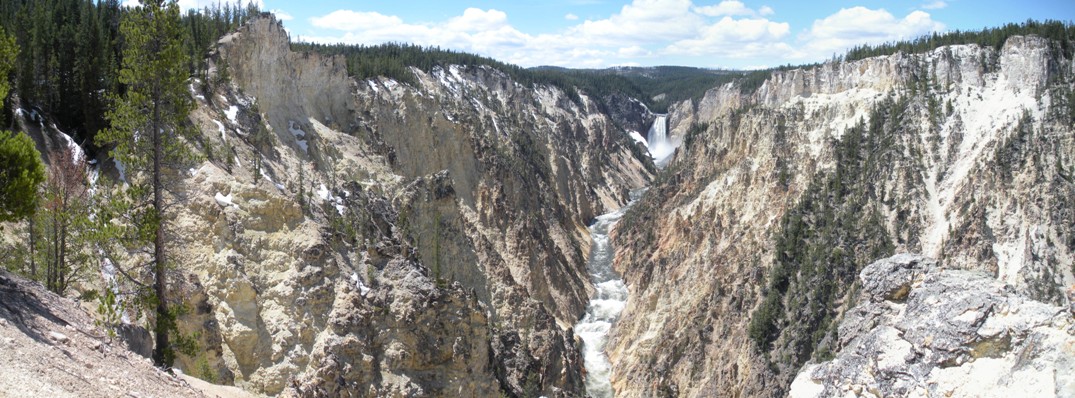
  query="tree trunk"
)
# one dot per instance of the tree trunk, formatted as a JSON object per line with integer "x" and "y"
{"x": 54, "y": 260}
{"x": 33, "y": 262}
{"x": 61, "y": 229}
{"x": 161, "y": 352}
{"x": 61, "y": 262}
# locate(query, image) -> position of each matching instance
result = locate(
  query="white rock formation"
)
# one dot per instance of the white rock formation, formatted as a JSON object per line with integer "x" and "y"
{"x": 949, "y": 333}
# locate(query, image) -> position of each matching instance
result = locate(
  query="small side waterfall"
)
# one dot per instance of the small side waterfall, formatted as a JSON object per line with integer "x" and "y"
{"x": 660, "y": 145}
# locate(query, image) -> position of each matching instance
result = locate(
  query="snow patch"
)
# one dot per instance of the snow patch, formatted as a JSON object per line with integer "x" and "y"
{"x": 638, "y": 138}
{"x": 324, "y": 193}
{"x": 221, "y": 127}
{"x": 232, "y": 113}
{"x": 266, "y": 175}
{"x": 362, "y": 289}
{"x": 298, "y": 133}
{"x": 224, "y": 201}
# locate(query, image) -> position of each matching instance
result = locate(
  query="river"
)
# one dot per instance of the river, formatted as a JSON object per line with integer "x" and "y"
{"x": 605, "y": 305}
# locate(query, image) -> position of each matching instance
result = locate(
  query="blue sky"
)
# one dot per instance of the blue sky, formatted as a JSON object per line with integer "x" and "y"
{"x": 602, "y": 33}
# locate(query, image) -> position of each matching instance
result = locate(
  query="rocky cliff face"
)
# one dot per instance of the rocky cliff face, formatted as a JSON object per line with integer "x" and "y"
{"x": 380, "y": 239}
{"x": 919, "y": 330}
{"x": 742, "y": 258}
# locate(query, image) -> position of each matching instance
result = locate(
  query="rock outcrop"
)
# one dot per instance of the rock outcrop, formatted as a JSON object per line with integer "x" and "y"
{"x": 742, "y": 258}
{"x": 951, "y": 333}
{"x": 51, "y": 347}
{"x": 375, "y": 238}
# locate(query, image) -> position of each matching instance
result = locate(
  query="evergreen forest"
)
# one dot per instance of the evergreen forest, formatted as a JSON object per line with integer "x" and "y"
{"x": 70, "y": 52}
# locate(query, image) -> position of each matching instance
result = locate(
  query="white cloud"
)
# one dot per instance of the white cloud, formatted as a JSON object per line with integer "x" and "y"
{"x": 348, "y": 20}
{"x": 591, "y": 43}
{"x": 733, "y": 8}
{"x": 476, "y": 20}
{"x": 571, "y": 17}
{"x": 482, "y": 31}
{"x": 638, "y": 30}
{"x": 727, "y": 7}
{"x": 642, "y": 21}
{"x": 736, "y": 38}
{"x": 935, "y": 5}
{"x": 281, "y": 15}
{"x": 859, "y": 25}
{"x": 643, "y": 29}
{"x": 632, "y": 52}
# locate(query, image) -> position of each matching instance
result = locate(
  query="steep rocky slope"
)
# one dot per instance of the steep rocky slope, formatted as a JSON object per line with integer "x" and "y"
{"x": 742, "y": 258}
{"x": 380, "y": 239}
{"x": 919, "y": 330}
{"x": 51, "y": 347}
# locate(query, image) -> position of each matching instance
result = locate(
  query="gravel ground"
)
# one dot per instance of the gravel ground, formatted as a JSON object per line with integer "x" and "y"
{"x": 50, "y": 347}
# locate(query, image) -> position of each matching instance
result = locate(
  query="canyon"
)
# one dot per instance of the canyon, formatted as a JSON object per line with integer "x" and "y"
{"x": 779, "y": 196}
{"x": 899, "y": 225}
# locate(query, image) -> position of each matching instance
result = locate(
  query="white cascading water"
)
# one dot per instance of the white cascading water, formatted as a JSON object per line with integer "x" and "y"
{"x": 611, "y": 296}
{"x": 660, "y": 145}
{"x": 605, "y": 306}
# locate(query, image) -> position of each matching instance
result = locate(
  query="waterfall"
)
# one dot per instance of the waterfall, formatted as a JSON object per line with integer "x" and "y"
{"x": 660, "y": 145}
{"x": 658, "y": 132}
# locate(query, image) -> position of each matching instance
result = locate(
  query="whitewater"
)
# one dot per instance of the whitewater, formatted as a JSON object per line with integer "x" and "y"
{"x": 660, "y": 145}
{"x": 611, "y": 293}
{"x": 605, "y": 305}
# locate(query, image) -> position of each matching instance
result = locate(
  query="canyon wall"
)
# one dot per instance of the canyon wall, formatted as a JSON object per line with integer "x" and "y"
{"x": 384, "y": 239}
{"x": 741, "y": 260}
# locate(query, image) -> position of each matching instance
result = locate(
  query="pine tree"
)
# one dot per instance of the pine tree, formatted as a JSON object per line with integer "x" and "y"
{"x": 64, "y": 220}
{"x": 148, "y": 131}
{"x": 8, "y": 51}
{"x": 21, "y": 170}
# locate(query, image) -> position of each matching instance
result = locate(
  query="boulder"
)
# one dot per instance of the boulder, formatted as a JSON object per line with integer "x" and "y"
{"x": 921, "y": 330}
